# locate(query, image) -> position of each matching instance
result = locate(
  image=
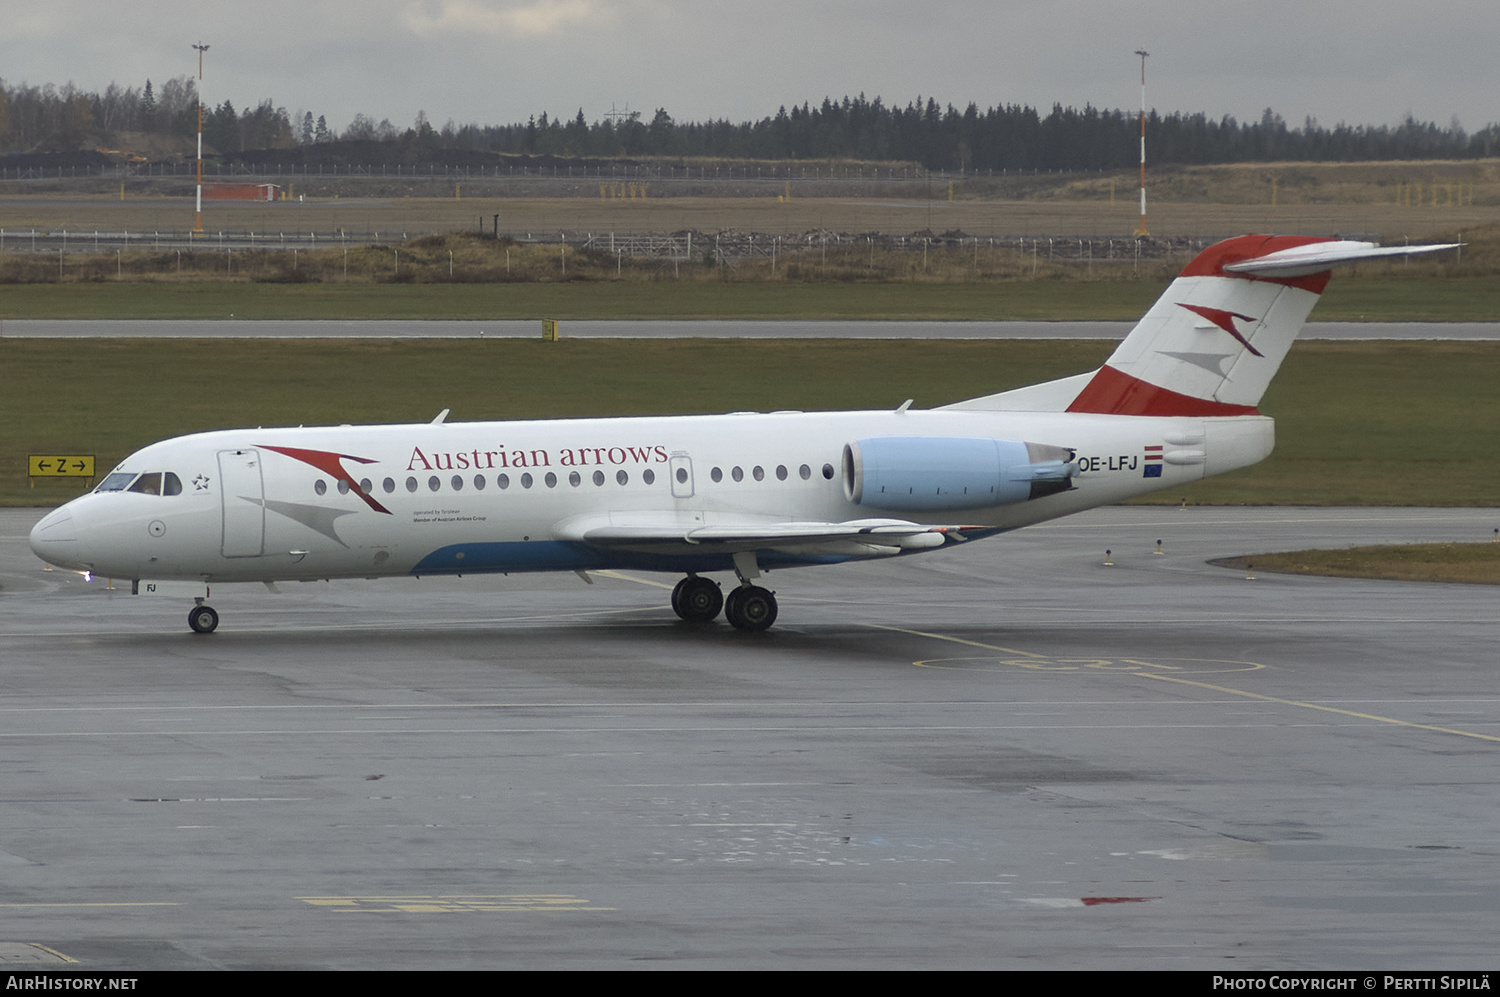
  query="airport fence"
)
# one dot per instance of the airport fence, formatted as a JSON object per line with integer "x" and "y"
{"x": 665, "y": 172}
{"x": 726, "y": 246}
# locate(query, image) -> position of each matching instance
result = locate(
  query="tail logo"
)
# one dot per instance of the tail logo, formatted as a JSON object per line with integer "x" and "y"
{"x": 1225, "y": 320}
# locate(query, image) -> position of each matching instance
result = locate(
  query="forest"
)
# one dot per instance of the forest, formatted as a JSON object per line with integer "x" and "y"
{"x": 54, "y": 120}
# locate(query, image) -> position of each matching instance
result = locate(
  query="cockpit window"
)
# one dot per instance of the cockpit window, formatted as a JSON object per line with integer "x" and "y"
{"x": 148, "y": 484}
{"x": 151, "y": 483}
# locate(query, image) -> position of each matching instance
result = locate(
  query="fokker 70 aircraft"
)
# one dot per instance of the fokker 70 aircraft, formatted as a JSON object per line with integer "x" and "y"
{"x": 742, "y": 493}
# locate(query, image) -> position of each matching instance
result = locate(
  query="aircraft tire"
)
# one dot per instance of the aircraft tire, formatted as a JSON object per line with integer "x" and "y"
{"x": 697, "y": 599}
{"x": 750, "y": 608}
{"x": 203, "y": 620}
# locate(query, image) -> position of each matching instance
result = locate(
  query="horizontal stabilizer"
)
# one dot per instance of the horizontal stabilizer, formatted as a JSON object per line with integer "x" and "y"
{"x": 1299, "y": 261}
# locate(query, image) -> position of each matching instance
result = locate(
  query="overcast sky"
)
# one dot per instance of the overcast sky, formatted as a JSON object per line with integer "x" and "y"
{"x": 499, "y": 61}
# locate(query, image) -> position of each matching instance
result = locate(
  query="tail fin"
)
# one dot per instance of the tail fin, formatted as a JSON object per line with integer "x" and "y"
{"x": 1211, "y": 344}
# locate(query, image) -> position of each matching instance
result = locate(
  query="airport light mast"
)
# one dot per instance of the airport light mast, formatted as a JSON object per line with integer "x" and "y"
{"x": 1140, "y": 230}
{"x": 198, "y": 216}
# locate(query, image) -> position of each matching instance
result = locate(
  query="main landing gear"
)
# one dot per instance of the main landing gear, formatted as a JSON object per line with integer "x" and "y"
{"x": 696, "y": 599}
{"x": 747, "y": 607}
{"x": 202, "y": 619}
{"x": 750, "y": 607}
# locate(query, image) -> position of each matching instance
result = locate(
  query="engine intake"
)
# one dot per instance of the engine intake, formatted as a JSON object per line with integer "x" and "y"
{"x": 935, "y": 473}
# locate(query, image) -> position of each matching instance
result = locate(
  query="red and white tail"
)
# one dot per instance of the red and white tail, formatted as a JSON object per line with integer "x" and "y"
{"x": 1211, "y": 344}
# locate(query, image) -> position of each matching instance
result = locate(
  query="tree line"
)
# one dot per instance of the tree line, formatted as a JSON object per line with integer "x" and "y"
{"x": 1002, "y": 138}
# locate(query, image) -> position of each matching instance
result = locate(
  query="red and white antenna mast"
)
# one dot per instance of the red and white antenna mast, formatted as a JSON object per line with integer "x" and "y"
{"x": 198, "y": 216}
{"x": 1141, "y": 228}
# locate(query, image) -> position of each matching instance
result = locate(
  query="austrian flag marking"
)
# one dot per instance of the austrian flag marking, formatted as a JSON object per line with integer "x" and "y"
{"x": 1151, "y": 462}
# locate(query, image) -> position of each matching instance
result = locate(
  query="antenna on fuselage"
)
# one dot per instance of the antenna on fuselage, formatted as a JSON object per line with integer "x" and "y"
{"x": 441, "y": 416}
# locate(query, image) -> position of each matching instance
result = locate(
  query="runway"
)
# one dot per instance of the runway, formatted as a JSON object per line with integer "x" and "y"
{"x": 733, "y": 329}
{"x": 1007, "y": 755}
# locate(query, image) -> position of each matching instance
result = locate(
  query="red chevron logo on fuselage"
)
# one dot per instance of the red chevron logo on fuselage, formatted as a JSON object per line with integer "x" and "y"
{"x": 1224, "y": 320}
{"x": 329, "y": 464}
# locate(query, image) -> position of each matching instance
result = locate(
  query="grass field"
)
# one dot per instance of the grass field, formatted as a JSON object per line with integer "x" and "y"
{"x": 1390, "y": 299}
{"x": 1472, "y": 563}
{"x": 1357, "y": 423}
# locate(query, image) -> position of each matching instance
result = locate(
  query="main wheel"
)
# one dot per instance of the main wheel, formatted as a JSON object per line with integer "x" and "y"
{"x": 750, "y": 607}
{"x": 696, "y": 599}
{"x": 203, "y": 620}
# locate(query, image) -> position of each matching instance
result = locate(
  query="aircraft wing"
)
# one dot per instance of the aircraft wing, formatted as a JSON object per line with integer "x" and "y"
{"x": 858, "y": 537}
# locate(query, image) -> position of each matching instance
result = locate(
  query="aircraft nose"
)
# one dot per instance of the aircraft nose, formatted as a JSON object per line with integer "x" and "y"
{"x": 55, "y": 539}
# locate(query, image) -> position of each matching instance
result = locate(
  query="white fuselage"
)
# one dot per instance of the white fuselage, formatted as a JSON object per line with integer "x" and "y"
{"x": 524, "y": 496}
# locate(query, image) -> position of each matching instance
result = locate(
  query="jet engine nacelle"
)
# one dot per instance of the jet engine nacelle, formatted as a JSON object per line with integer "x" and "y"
{"x": 935, "y": 473}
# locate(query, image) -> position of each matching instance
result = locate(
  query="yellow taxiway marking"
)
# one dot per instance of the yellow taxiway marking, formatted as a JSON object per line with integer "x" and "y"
{"x": 1044, "y": 663}
{"x": 1325, "y": 709}
{"x": 18, "y": 953}
{"x": 1188, "y": 666}
{"x": 458, "y": 903}
{"x": 957, "y": 640}
{"x": 1202, "y": 685}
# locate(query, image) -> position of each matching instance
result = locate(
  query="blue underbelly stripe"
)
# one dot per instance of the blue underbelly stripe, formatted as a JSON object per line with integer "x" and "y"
{"x": 567, "y": 555}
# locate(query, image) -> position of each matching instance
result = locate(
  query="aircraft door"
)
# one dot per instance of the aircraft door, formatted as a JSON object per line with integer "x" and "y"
{"x": 680, "y": 469}
{"x": 243, "y": 496}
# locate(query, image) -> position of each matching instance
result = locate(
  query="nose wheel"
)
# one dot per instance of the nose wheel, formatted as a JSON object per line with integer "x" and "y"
{"x": 203, "y": 619}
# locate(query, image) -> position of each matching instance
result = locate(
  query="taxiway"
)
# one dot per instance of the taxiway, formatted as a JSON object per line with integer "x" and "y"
{"x": 1005, "y": 755}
